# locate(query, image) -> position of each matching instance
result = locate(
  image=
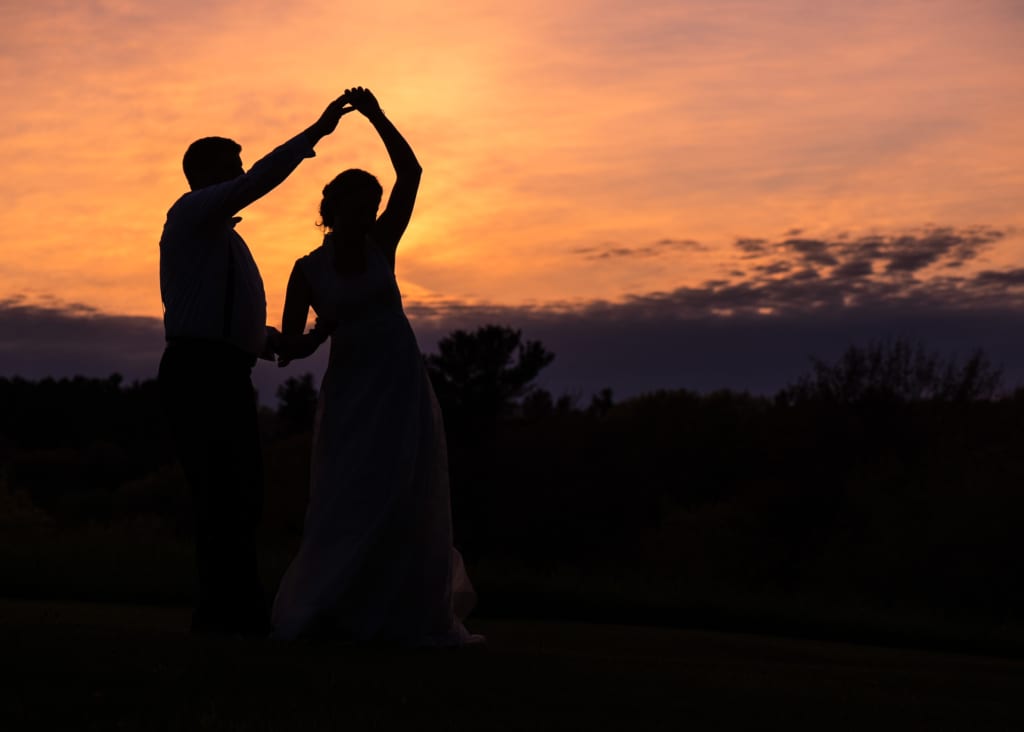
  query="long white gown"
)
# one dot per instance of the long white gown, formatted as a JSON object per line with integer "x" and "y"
{"x": 376, "y": 561}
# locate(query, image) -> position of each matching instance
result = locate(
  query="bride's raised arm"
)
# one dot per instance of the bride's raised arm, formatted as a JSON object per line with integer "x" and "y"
{"x": 391, "y": 224}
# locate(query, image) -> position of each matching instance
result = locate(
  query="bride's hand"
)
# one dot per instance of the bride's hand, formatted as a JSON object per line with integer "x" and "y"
{"x": 291, "y": 347}
{"x": 363, "y": 100}
{"x": 322, "y": 329}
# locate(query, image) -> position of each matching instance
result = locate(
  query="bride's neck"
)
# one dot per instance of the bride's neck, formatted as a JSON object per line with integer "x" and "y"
{"x": 349, "y": 255}
{"x": 347, "y": 239}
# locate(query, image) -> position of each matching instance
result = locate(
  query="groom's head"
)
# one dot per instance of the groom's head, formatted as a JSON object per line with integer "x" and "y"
{"x": 212, "y": 160}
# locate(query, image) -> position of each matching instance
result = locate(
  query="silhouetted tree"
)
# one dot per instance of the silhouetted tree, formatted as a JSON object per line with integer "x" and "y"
{"x": 896, "y": 371}
{"x": 481, "y": 375}
{"x": 538, "y": 404}
{"x": 601, "y": 403}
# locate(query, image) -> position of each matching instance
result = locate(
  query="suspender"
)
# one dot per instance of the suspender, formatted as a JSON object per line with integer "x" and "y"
{"x": 229, "y": 295}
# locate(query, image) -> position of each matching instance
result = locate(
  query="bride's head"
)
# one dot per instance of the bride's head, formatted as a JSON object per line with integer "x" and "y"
{"x": 350, "y": 203}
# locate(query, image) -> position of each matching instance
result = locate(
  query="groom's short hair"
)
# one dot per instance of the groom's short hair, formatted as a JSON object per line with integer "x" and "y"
{"x": 204, "y": 160}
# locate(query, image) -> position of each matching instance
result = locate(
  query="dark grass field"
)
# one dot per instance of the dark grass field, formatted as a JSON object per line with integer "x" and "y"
{"x": 79, "y": 666}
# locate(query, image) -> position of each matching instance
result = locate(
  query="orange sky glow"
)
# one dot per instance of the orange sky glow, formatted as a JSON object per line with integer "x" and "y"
{"x": 572, "y": 152}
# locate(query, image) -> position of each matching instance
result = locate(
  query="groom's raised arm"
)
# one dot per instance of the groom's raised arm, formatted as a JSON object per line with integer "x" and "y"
{"x": 224, "y": 200}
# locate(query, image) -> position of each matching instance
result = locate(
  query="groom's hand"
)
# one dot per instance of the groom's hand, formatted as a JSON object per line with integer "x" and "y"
{"x": 272, "y": 344}
{"x": 329, "y": 119}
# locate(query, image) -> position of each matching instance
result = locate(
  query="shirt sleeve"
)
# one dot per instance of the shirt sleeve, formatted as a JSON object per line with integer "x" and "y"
{"x": 224, "y": 200}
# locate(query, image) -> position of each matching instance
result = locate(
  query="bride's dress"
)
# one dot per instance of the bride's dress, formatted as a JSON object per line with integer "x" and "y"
{"x": 376, "y": 561}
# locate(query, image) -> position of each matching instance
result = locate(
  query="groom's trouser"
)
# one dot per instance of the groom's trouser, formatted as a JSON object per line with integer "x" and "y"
{"x": 210, "y": 403}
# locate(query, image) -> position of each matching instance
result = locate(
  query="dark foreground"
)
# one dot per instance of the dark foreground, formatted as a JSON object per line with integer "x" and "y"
{"x": 104, "y": 667}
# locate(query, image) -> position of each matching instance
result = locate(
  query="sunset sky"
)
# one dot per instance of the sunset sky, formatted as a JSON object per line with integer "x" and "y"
{"x": 793, "y": 166}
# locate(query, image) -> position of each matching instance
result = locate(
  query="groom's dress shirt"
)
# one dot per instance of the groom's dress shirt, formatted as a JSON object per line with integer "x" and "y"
{"x": 209, "y": 283}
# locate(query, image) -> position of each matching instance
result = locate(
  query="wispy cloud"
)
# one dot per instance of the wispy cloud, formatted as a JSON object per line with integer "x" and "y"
{"x": 905, "y": 253}
{"x": 660, "y": 248}
{"x": 910, "y": 270}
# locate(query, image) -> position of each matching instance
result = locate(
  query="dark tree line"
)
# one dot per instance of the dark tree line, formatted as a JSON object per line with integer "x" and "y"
{"x": 890, "y": 475}
{"x": 897, "y": 371}
{"x": 69, "y": 444}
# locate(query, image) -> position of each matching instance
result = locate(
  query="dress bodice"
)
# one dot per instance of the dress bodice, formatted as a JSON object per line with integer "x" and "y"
{"x": 352, "y": 300}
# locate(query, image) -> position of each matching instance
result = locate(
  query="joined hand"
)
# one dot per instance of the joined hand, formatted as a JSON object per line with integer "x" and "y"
{"x": 329, "y": 119}
{"x": 272, "y": 344}
{"x": 363, "y": 100}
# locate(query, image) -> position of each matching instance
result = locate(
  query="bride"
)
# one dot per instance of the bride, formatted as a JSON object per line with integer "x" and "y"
{"x": 376, "y": 563}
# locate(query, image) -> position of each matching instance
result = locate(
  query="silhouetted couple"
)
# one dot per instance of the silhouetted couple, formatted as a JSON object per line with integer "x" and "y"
{"x": 376, "y": 562}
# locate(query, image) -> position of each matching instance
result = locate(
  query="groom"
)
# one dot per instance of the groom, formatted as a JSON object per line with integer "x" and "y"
{"x": 215, "y": 315}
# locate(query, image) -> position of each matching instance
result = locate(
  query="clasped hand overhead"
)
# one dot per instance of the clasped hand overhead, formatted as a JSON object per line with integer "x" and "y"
{"x": 355, "y": 99}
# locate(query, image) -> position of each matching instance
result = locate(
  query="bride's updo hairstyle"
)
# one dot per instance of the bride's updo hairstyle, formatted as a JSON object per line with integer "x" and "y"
{"x": 351, "y": 200}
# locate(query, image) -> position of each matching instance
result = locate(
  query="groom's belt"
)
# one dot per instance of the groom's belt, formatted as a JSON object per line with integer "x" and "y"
{"x": 212, "y": 349}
